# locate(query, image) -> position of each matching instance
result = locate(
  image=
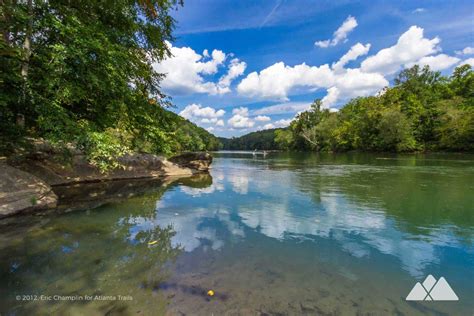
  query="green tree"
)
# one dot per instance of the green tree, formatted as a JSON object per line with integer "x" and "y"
{"x": 74, "y": 69}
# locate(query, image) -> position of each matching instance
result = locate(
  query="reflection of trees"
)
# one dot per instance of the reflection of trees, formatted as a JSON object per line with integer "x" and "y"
{"x": 99, "y": 252}
{"x": 432, "y": 195}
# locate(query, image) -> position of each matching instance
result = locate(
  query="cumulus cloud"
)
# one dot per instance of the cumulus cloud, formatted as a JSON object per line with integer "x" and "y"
{"x": 283, "y": 122}
{"x": 198, "y": 111}
{"x": 240, "y": 119}
{"x": 240, "y": 122}
{"x": 241, "y": 111}
{"x": 185, "y": 71}
{"x": 279, "y": 123}
{"x": 355, "y": 52}
{"x": 340, "y": 35}
{"x": 276, "y": 81}
{"x": 331, "y": 97}
{"x": 411, "y": 47}
{"x": 262, "y": 118}
{"x": 236, "y": 68}
{"x": 466, "y": 51}
{"x": 284, "y": 108}
{"x": 469, "y": 61}
{"x": 206, "y": 115}
{"x": 438, "y": 62}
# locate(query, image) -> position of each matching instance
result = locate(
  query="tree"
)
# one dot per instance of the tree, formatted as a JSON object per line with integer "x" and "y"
{"x": 423, "y": 111}
{"x": 81, "y": 72}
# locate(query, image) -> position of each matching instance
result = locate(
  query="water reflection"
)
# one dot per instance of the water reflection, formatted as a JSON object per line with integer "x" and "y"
{"x": 323, "y": 233}
{"x": 107, "y": 252}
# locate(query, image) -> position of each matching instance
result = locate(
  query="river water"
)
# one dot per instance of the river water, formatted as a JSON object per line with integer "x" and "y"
{"x": 285, "y": 234}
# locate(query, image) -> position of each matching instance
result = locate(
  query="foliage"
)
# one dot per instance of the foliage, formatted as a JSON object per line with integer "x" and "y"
{"x": 422, "y": 111}
{"x": 256, "y": 140}
{"x": 81, "y": 72}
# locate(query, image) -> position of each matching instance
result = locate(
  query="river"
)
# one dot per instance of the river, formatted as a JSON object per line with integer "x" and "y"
{"x": 285, "y": 234}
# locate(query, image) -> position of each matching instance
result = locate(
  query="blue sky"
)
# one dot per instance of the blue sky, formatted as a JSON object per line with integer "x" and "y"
{"x": 241, "y": 66}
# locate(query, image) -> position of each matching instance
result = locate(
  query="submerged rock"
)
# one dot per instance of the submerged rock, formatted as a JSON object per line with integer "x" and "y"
{"x": 22, "y": 192}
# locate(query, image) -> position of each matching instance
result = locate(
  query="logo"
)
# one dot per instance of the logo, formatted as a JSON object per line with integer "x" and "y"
{"x": 432, "y": 290}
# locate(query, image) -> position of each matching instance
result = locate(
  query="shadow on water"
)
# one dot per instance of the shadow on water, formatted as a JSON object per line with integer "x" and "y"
{"x": 95, "y": 252}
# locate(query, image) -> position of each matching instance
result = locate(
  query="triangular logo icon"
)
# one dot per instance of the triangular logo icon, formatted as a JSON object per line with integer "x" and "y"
{"x": 432, "y": 290}
{"x": 442, "y": 291}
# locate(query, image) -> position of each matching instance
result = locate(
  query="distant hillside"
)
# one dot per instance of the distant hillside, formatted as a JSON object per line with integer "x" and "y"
{"x": 256, "y": 140}
{"x": 187, "y": 136}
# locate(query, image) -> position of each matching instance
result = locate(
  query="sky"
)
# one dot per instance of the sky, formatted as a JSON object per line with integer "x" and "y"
{"x": 243, "y": 66}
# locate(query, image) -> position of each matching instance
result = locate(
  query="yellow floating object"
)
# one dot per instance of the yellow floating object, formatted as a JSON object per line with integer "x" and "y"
{"x": 153, "y": 242}
{"x": 210, "y": 293}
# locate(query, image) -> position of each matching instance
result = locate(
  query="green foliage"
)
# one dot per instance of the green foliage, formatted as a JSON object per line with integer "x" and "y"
{"x": 284, "y": 138}
{"x": 81, "y": 72}
{"x": 423, "y": 111}
{"x": 261, "y": 140}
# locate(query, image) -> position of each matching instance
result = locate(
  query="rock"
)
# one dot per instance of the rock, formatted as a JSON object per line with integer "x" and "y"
{"x": 199, "y": 161}
{"x": 22, "y": 192}
{"x": 135, "y": 166}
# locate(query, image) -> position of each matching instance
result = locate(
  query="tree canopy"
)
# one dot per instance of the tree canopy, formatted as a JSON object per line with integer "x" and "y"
{"x": 422, "y": 111}
{"x": 81, "y": 72}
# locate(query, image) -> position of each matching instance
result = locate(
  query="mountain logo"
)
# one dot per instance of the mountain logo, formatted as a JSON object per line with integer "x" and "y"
{"x": 432, "y": 290}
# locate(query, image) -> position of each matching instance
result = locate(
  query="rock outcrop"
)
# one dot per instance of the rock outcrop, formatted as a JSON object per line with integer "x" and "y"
{"x": 22, "y": 192}
{"x": 29, "y": 183}
{"x": 55, "y": 171}
{"x": 198, "y": 161}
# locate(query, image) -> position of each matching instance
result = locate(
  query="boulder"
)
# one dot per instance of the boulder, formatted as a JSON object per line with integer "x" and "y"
{"x": 195, "y": 160}
{"x": 22, "y": 192}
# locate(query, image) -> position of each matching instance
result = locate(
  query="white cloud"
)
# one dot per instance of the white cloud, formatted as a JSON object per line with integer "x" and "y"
{"x": 236, "y": 69}
{"x": 411, "y": 46}
{"x": 262, "y": 118}
{"x": 284, "y": 108}
{"x": 205, "y": 115}
{"x": 355, "y": 82}
{"x": 469, "y": 61}
{"x": 356, "y": 51}
{"x": 240, "y": 122}
{"x": 331, "y": 97}
{"x": 340, "y": 35}
{"x": 276, "y": 81}
{"x": 185, "y": 70}
{"x": 241, "y": 111}
{"x": 438, "y": 62}
{"x": 419, "y": 10}
{"x": 193, "y": 111}
{"x": 283, "y": 122}
{"x": 279, "y": 123}
{"x": 466, "y": 51}
{"x": 240, "y": 119}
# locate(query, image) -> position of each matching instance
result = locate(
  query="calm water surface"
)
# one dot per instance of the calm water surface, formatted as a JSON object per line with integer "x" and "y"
{"x": 290, "y": 234}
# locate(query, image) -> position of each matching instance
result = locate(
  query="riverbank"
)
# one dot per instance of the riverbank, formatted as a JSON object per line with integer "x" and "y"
{"x": 32, "y": 183}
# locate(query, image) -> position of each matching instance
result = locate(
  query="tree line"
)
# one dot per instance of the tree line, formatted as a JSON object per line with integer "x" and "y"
{"x": 80, "y": 72}
{"x": 423, "y": 111}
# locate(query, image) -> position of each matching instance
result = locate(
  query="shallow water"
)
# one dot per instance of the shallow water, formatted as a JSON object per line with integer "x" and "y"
{"x": 288, "y": 234}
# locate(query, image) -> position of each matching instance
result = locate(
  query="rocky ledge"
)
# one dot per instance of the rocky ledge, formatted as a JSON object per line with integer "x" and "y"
{"x": 29, "y": 184}
{"x": 23, "y": 192}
